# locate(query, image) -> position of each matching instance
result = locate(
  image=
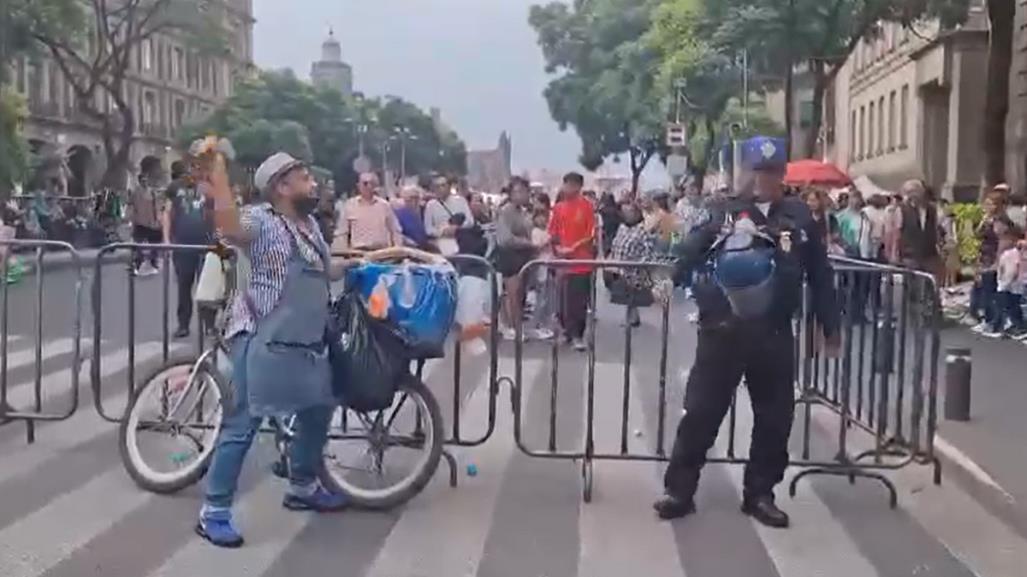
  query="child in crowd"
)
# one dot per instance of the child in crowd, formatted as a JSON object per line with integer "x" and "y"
{"x": 1008, "y": 299}
{"x": 545, "y": 283}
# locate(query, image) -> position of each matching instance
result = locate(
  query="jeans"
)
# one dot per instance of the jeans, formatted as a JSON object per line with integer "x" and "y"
{"x": 238, "y": 428}
{"x": 982, "y": 296}
{"x": 1007, "y": 306}
{"x": 145, "y": 235}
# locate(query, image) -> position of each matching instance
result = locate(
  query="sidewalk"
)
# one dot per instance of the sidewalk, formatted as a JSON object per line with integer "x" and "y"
{"x": 988, "y": 454}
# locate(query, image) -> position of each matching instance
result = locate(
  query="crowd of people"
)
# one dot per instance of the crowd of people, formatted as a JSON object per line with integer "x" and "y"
{"x": 917, "y": 230}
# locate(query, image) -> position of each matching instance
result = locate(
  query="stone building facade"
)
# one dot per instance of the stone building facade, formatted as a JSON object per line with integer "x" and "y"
{"x": 490, "y": 170}
{"x": 910, "y": 104}
{"x": 169, "y": 84}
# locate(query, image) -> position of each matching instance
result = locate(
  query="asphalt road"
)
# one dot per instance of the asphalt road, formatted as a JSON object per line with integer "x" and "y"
{"x": 67, "y": 508}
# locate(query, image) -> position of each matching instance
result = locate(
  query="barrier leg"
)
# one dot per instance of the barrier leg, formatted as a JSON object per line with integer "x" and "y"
{"x": 852, "y": 472}
{"x": 451, "y": 462}
{"x": 586, "y": 478}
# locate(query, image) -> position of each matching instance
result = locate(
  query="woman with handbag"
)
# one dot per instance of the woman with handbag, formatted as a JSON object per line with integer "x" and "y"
{"x": 276, "y": 336}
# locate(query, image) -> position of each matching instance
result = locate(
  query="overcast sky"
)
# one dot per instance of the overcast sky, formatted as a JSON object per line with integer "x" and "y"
{"x": 476, "y": 60}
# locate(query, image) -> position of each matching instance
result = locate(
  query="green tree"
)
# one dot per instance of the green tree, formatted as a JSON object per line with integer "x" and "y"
{"x": 62, "y": 17}
{"x": 604, "y": 83}
{"x": 819, "y": 33}
{"x": 96, "y": 63}
{"x": 276, "y": 111}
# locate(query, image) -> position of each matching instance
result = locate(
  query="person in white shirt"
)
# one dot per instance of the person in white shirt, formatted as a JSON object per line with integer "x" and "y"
{"x": 445, "y": 214}
{"x": 1008, "y": 301}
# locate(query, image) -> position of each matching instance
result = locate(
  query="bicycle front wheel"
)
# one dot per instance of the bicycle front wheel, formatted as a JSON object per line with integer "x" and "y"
{"x": 410, "y": 433}
{"x": 167, "y": 436}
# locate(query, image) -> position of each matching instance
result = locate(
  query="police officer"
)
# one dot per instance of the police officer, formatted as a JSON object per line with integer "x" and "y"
{"x": 758, "y": 246}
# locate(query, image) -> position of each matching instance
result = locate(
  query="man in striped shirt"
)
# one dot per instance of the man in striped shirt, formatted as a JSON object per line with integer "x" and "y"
{"x": 367, "y": 221}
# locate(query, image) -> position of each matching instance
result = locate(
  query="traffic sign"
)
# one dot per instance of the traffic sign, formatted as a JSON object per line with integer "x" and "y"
{"x": 676, "y": 134}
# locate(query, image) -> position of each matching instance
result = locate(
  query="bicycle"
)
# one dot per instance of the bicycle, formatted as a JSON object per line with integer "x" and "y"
{"x": 193, "y": 391}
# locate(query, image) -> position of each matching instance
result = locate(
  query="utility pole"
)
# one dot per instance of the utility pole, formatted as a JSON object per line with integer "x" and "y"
{"x": 745, "y": 88}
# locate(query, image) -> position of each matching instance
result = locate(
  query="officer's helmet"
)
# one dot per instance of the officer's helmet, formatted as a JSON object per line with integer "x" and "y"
{"x": 743, "y": 268}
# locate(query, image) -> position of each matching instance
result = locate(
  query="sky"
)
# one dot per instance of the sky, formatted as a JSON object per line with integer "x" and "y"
{"x": 477, "y": 60}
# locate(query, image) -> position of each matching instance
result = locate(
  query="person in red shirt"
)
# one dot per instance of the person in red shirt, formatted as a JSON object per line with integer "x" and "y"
{"x": 572, "y": 229}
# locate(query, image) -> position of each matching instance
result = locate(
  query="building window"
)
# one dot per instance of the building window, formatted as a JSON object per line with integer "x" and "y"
{"x": 146, "y": 55}
{"x": 55, "y": 84}
{"x": 862, "y": 132}
{"x": 20, "y": 73}
{"x": 179, "y": 112}
{"x": 880, "y": 126}
{"x": 891, "y": 121}
{"x": 852, "y": 136}
{"x": 904, "y": 117}
{"x": 178, "y": 65}
{"x": 870, "y": 131}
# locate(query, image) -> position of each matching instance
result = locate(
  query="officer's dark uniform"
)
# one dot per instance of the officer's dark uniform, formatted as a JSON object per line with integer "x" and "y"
{"x": 762, "y": 350}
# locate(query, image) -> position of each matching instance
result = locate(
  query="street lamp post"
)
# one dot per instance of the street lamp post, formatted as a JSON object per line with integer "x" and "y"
{"x": 404, "y": 135}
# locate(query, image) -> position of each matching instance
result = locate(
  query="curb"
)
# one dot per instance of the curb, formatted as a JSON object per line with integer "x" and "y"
{"x": 968, "y": 475}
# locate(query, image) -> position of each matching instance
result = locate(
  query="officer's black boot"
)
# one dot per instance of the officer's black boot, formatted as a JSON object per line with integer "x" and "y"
{"x": 764, "y": 510}
{"x": 671, "y": 507}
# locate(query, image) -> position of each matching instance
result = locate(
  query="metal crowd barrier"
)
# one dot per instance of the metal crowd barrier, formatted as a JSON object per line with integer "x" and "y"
{"x": 43, "y": 250}
{"x": 884, "y": 382}
{"x": 130, "y": 313}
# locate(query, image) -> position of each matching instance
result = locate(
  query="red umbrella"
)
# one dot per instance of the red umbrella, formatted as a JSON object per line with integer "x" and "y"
{"x": 814, "y": 172}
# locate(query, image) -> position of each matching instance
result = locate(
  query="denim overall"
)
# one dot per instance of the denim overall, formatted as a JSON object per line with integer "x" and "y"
{"x": 288, "y": 335}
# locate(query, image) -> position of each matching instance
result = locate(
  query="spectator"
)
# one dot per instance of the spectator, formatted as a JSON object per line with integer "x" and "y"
{"x": 658, "y": 217}
{"x": 514, "y": 249}
{"x": 479, "y": 209}
{"x": 145, "y": 211}
{"x": 544, "y": 283}
{"x": 632, "y": 243}
{"x": 572, "y": 228}
{"x": 825, "y": 222}
{"x": 610, "y": 214}
{"x": 852, "y": 223}
{"x": 325, "y": 214}
{"x": 367, "y": 221}
{"x": 411, "y": 223}
{"x": 188, "y": 220}
{"x": 949, "y": 244}
{"x": 1008, "y": 300}
{"x": 994, "y": 223}
{"x": 918, "y": 237}
{"x": 445, "y": 215}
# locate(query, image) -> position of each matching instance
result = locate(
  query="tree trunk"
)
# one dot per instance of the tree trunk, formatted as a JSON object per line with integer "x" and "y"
{"x": 820, "y": 81}
{"x": 117, "y": 142}
{"x": 1001, "y": 14}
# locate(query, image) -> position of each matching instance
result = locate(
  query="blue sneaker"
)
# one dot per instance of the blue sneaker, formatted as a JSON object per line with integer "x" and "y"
{"x": 217, "y": 528}
{"x": 321, "y": 501}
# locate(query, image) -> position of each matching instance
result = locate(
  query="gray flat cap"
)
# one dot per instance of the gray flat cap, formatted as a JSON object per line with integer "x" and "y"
{"x": 276, "y": 165}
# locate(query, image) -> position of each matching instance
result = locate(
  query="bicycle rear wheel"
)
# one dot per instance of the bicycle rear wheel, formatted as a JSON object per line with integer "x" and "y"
{"x": 167, "y": 436}
{"x": 355, "y": 460}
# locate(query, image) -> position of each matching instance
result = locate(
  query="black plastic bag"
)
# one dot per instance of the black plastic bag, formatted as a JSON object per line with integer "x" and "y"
{"x": 367, "y": 356}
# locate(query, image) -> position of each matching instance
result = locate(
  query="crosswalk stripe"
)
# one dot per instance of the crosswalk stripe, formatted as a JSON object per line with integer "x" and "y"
{"x": 268, "y": 528}
{"x": 623, "y": 493}
{"x": 40, "y": 541}
{"x": 27, "y": 356}
{"x": 81, "y": 428}
{"x": 58, "y": 384}
{"x": 981, "y": 541}
{"x": 816, "y": 543}
{"x": 444, "y": 535}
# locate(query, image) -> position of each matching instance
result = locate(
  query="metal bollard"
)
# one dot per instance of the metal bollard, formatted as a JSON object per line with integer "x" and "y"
{"x": 958, "y": 371}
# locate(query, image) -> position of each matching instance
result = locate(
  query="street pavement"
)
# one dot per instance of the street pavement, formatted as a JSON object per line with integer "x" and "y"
{"x": 67, "y": 508}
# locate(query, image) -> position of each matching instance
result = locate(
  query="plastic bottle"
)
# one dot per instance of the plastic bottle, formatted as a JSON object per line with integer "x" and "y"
{"x": 379, "y": 303}
{"x": 408, "y": 290}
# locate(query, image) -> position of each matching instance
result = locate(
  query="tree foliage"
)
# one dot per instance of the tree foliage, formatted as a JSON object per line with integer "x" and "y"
{"x": 60, "y": 17}
{"x": 96, "y": 63}
{"x": 275, "y": 111}
{"x": 603, "y": 81}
